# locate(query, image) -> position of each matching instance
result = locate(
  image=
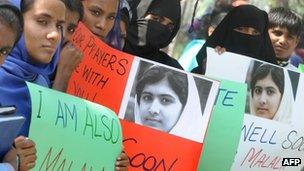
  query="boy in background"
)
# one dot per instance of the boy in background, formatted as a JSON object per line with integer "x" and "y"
{"x": 285, "y": 27}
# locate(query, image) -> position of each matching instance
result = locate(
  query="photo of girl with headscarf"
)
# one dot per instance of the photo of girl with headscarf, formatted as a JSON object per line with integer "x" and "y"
{"x": 161, "y": 96}
{"x": 244, "y": 31}
{"x": 169, "y": 101}
{"x": 271, "y": 94}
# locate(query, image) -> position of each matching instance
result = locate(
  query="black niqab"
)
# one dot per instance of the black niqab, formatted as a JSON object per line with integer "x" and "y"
{"x": 138, "y": 30}
{"x": 255, "y": 46}
{"x": 145, "y": 37}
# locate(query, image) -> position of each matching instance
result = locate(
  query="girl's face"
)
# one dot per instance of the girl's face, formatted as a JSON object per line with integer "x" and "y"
{"x": 99, "y": 16}
{"x": 43, "y": 25}
{"x": 266, "y": 98}
{"x": 71, "y": 18}
{"x": 159, "y": 106}
{"x": 7, "y": 40}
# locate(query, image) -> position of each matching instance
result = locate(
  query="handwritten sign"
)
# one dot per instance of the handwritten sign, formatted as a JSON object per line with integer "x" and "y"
{"x": 264, "y": 145}
{"x": 273, "y": 125}
{"x": 109, "y": 77}
{"x": 103, "y": 72}
{"x": 150, "y": 149}
{"x": 71, "y": 133}
{"x": 148, "y": 144}
{"x": 224, "y": 127}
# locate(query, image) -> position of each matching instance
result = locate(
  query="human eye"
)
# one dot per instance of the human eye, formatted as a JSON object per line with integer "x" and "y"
{"x": 239, "y": 29}
{"x": 277, "y": 32}
{"x": 170, "y": 26}
{"x": 166, "y": 100}
{"x": 257, "y": 90}
{"x": 161, "y": 19}
{"x": 4, "y": 51}
{"x": 243, "y": 30}
{"x": 71, "y": 29}
{"x": 59, "y": 26}
{"x": 42, "y": 21}
{"x": 292, "y": 37}
{"x": 270, "y": 92}
{"x": 112, "y": 17}
{"x": 256, "y": 32}
{"x": 147, "y": 97}
{"x": 95, "y": 12}
{"x": 154, "y": 17}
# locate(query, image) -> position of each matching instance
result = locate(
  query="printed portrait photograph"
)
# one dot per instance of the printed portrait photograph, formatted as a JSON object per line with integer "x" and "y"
{"x": 168, "y": 100}
{"x": 271, "y": 91}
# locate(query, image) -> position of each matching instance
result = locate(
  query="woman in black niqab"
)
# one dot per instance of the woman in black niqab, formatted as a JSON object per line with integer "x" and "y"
{"x": 145, "y": 37}
{"x": 225, "y": 35}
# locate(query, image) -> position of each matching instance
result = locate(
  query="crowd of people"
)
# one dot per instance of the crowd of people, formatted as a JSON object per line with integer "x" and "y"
{"x": 35, "y": 46}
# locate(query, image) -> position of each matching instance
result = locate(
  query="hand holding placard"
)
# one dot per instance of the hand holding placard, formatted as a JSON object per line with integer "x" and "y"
{"x": 73, "y": 133}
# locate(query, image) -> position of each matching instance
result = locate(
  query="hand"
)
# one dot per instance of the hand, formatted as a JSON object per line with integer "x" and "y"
{"x": 122, "y": 162}
{"x": 26, "y": 151}
{"x": 11, "y": 158}
{"x": 220, "y": 50}
{"x": 70, "y": 57}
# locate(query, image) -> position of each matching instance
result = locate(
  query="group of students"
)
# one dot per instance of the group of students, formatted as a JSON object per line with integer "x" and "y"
{"x": 43, "y": 54}
{"x": 272, "y": 38}
{"x": 35, "y": 46}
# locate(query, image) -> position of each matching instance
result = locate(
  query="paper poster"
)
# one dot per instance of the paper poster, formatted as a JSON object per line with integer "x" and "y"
{"x": 102, "y": 75}
{"x": 224, "y": 129}
{"x": 165, "y": 115}
{"x": 149, "y": 149}
{"x": 152, "y": 100}
{"x": 272, "y": 132}
{"x": 71, "y": 133}
{"x": 169, "y": 100}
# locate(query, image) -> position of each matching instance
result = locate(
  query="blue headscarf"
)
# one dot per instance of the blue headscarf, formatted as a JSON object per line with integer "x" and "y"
{"x": 114, "y": 36}
{"x": 17, "y": 69}
{"x": 16, "y": 3}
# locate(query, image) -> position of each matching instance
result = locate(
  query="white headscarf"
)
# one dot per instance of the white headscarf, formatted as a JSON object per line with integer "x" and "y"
{"x": 190, "y": 124}
{"x": 284, "y": 112}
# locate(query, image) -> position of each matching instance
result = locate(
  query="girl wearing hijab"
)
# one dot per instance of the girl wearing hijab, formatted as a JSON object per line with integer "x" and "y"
{"x": 244, "y": 31}
{"x": 32, "y": 59}
{"x": 271, "y": 93}
{"x": 102, "y": 17}
{"x": 35, "y": 55}
{"x": 165, "y": 102}
{"x": 11, "y": 24}
{"x": 153, "y": 26}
